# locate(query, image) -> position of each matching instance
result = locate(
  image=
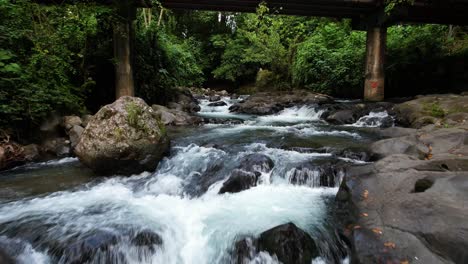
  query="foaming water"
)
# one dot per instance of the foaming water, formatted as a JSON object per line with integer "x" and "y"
{"x": 180, "y": 201}
{"x": 192, "y": 230}
{"x": 220, "y": 111}
{"x": 56, "y": 162}
{"x": 293, "y": 115}
{"x": 374, "y": 119}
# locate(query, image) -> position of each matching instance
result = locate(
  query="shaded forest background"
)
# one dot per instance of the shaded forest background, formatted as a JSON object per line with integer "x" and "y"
{"x": 60, "y": 58}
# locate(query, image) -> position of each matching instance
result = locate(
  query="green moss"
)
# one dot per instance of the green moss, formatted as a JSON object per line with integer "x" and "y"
{"x": 435, "y": 110}
{"x": 118, "y": 133}
{"x": 134, "y": 112}
{"x": 162, "y": 127}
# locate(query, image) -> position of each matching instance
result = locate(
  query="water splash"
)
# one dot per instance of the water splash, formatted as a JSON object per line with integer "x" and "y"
{"x": 295, "y": 114}
{"x": 375, "y": 119}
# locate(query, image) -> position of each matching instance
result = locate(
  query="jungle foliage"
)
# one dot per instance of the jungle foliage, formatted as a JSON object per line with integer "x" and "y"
{"x": 59, "y": 58}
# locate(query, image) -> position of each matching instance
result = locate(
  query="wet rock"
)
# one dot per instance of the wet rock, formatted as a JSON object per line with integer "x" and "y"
{"x": 75, "y": 134}
{"x": 238, "y": 181}
{"x": 175, "y": 117}
{"x": 57, "y": 147}
{"x": 393, "y": 132}
{"x": 256, "y": 163}
{"x": 342, "y": 117}
{"x": 440, "y": 141}
{"x": 91, "y": 247}
{"x": 219, "y": 103}
{"x": 147, "y": 238}
{"x": 413, "y": 206}
{"x": 234, "y": 96}
{"x": 68, "y": 122}
{"x": 354, "y": 155}
{"x": 184, "y": 101}
{"x": 215, "y": 98}
{"x": 244, "y": 250}
{"x": 271, "y": 103}
{"x": 125, "y": 138}
{"x": 31, "y": 152}
{"x": 287, "y": 242}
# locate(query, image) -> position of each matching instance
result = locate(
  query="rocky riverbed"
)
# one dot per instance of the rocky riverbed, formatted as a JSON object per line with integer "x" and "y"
{"x": 297, "y": 177}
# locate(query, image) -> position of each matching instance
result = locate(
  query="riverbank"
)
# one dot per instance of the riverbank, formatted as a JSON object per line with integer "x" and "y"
{"x": 410, "y": 206}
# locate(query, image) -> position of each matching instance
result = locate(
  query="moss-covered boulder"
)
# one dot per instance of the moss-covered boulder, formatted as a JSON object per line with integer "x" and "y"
{"x": 123, "y": 138}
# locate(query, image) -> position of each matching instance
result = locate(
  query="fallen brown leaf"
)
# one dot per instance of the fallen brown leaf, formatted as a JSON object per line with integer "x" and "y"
{"x": 365, "y": 194}
{"x": 377, "y": 231}
{"x": 364, "y": 214}
{"x": 389, "y": 245}
{"x": 404, "y": 262}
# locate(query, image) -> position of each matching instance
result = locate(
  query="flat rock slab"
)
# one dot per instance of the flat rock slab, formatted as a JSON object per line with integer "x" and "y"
{"x": 408, "y": 207}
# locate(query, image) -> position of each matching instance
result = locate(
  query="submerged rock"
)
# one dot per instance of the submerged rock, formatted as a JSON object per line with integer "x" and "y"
{"x": 288, "y": 243}
{"x": 125, "y": 137}
{"x": 91, "y": 247}
{"x": 256, "y": 163}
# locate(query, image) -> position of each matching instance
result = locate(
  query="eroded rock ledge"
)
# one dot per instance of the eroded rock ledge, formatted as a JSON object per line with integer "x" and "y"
{"x": 411, "y": 206}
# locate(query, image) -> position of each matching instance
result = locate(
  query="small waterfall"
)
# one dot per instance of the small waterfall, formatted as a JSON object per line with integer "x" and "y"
{"x": 293, "y": 115}
{"x": 326, "y": 176}
{"x": 375, "y": 119}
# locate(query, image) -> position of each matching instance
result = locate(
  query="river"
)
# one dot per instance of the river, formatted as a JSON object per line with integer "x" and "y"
{"x": 48, "y": 209}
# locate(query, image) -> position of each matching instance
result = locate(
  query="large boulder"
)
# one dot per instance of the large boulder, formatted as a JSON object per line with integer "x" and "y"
{"x": 274, "y": 102}
{"x": 287, "y": 243}
{"x": 410, "y": 206}
{"x": 125, "y": 137}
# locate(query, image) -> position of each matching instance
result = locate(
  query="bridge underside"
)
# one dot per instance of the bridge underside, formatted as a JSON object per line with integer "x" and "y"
{"x": 422, "y": 11}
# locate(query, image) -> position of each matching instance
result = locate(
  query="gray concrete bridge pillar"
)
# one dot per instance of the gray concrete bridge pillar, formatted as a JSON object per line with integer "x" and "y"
{"x": 375, "y": 60}
{"x": 123, "y": 35}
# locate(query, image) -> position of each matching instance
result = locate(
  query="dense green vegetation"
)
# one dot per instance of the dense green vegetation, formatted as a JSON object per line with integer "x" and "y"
{"x": 58, "y": 59}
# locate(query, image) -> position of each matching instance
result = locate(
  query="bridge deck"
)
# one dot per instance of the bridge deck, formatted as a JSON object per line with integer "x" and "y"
{"x": 422, "y": 11}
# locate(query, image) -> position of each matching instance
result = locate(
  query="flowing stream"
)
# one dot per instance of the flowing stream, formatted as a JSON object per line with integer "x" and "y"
{"x": 58, "y": 212}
